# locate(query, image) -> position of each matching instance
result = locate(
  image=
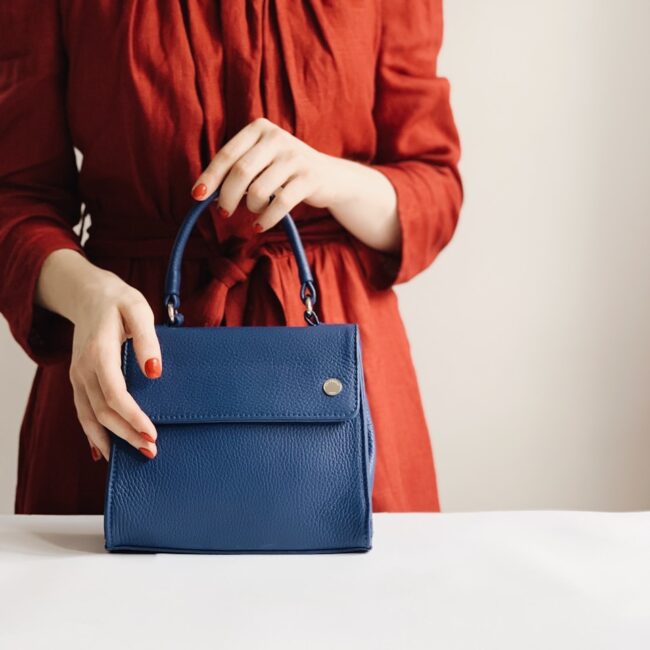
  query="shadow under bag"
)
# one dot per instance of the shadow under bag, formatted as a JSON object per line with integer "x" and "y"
{"x": 265, "y": 440}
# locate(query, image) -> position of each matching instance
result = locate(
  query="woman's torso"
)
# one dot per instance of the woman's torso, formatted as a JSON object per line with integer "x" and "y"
{"x": 153, "y": 90}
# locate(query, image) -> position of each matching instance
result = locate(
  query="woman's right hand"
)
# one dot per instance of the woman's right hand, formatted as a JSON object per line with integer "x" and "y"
{"x": 105, "y": 311}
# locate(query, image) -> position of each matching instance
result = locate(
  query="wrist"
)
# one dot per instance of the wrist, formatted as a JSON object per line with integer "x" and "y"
{"x": 364, "y": 201}
{"x": 344, "y": 177}
{"x": 69, "y": 284}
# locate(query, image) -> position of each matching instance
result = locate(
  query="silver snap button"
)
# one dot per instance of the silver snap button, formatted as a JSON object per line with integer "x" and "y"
{"x": 332, "y": 386}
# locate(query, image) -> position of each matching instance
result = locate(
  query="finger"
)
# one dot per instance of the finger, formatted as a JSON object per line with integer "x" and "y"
{"x": 243, "y": 173}
{"x": 284, "y": 201}
{"x": 113, "y": 421}
{"x": 138, "y": 319}
{"x": 96, "y": 434}
{"x": 214, "y": 174}
{"x": 269, "y": 183}
{"x": 115, "y": 394}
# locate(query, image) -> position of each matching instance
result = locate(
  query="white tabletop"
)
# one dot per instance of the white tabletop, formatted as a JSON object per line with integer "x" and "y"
{"x": 525, "y": 580}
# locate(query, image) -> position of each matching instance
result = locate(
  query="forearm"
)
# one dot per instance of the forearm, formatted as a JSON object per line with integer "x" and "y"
{"x": 366, "y": 204}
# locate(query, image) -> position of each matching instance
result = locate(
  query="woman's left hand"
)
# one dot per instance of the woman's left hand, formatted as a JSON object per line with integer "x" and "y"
{"x": 264, "y": 161}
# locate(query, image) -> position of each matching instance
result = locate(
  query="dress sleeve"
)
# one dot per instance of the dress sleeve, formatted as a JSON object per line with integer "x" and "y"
{"x": 418, "y": 146}
{"x": 39, "y": 204}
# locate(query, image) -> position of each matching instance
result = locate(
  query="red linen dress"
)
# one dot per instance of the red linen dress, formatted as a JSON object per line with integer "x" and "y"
{"x": 148, "y": 91}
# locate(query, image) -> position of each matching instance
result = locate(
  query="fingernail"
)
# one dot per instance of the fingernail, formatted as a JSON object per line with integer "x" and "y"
{"x": 152, "y": 368}
{"x": 147, "y": 436}
{"x": 146, "y": 452}
{"x": 95, "y": 453}
{"x": 257, "y": 227}
{"x": 199, "y": 191}
{"x": 224, "y": 214}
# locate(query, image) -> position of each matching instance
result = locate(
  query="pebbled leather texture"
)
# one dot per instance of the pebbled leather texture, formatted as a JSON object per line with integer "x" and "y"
{"x": 253, "y": 455}
{"x": 248, "y": 373}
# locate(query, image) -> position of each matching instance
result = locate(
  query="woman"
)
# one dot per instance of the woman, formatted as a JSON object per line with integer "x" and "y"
{"x": 332, "y": 108}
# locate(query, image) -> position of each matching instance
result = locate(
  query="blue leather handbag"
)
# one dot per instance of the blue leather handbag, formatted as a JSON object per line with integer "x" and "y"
{"x": 265, "y": 440}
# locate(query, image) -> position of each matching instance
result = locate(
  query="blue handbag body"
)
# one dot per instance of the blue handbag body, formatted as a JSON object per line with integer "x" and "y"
{"x": 265, "y": 439}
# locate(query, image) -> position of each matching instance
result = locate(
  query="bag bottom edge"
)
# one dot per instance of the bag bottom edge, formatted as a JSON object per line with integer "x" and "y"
{"x": 148, "y": 549}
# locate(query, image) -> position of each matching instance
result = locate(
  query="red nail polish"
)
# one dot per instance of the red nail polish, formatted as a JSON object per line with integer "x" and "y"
{"x": 95, "y": 453}
{"x": 199, "y": 191}
{"x": 257, "y": 227}
{"x": 147, "y": 437}
{"x": 224, "y": 214}
{"x": 152, "y": 368}
{"x": 146, "y": 452}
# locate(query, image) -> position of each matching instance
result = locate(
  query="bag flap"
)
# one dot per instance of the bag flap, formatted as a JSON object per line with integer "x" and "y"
{"x": 274, "y": 373}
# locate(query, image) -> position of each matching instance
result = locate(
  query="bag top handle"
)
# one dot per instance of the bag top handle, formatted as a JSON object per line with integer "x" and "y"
{"x": 172, "y": 300}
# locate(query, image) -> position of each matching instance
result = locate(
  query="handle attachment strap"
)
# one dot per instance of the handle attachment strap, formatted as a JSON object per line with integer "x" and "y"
{"x": 172, "y": 299}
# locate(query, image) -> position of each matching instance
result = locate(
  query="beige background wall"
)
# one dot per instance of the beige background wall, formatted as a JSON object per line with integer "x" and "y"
{"x": 531, "y": 332}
